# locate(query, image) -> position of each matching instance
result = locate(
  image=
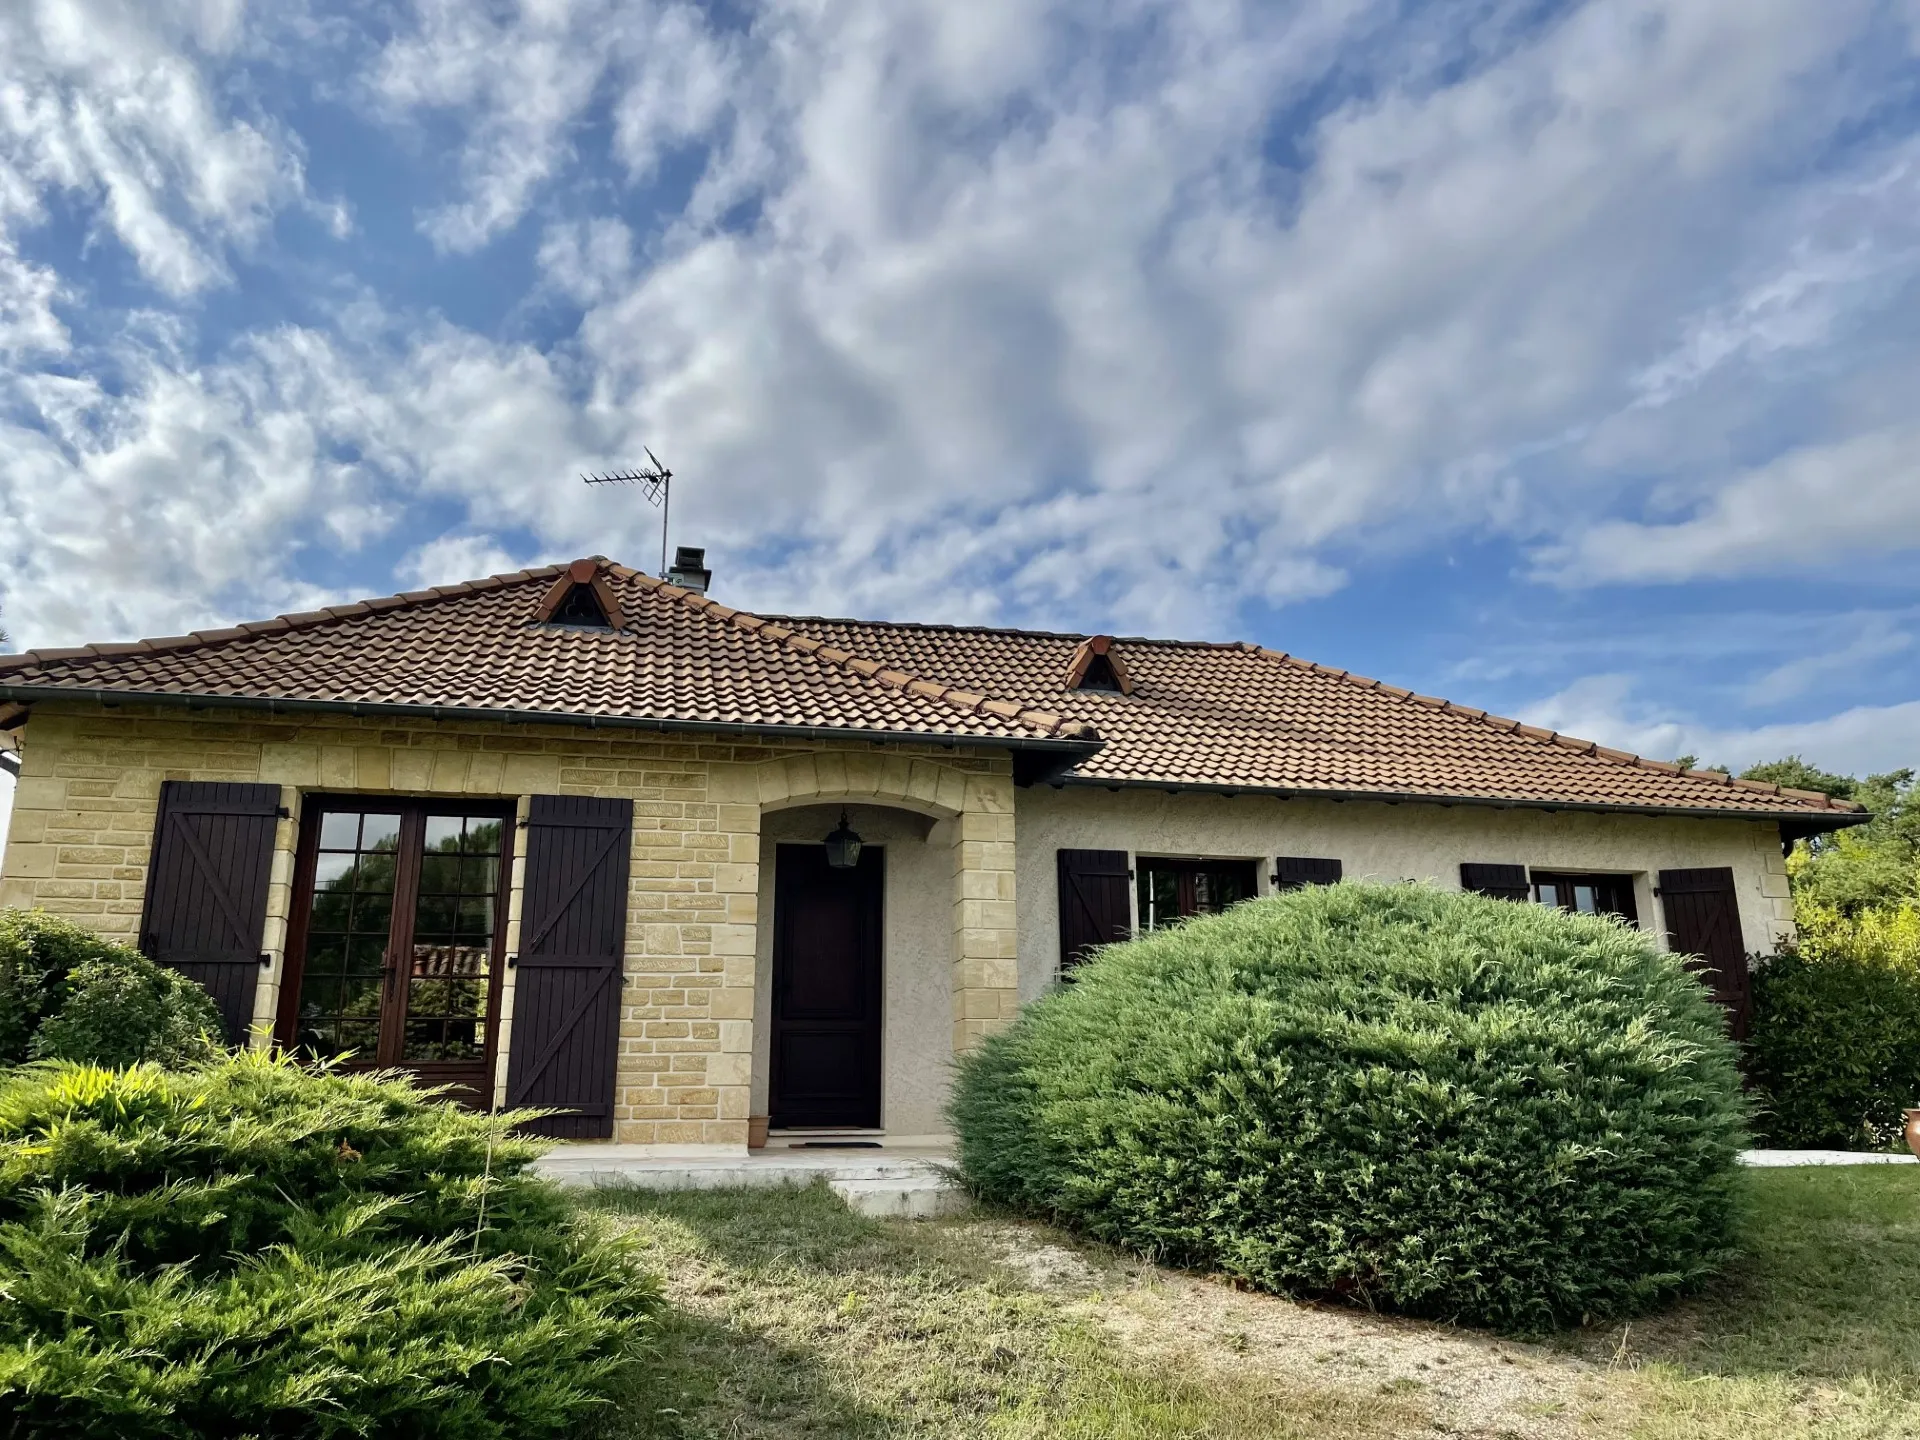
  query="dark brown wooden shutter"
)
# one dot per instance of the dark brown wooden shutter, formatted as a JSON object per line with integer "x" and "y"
{"x": 1095, "y": 903}
{"x": 1503, "y": 882}
{"x": 573, "y": 937}
{"x": 206, "y": 903}
{"x": 1703, "y": 921}
{"x": 1291, "y": 872}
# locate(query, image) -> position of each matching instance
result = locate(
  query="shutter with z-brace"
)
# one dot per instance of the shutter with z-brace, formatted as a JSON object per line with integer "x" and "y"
{"x": 1703, "y": 920}
{"x": 206, "y": 901}
{"x": 1095, "y": 902}
{"x": 566, "y": 988}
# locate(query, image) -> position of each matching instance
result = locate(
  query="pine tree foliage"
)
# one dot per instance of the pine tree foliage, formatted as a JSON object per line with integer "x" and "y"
{"x": 255, "y": 1249}
{"x": 1441, "y": 1104}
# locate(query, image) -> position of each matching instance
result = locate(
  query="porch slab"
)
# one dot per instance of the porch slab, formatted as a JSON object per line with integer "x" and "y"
{"x": 881, "y": 1183}
{"x": 1771, "y": 1159}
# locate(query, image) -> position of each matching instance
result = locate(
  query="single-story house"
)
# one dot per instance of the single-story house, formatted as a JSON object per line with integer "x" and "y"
{"x": 585, "y": 838}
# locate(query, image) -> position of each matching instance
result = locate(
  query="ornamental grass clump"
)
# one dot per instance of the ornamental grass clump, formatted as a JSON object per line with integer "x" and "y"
{"x": 253, "y": 1249}
{"x": 1440, "y": 1104}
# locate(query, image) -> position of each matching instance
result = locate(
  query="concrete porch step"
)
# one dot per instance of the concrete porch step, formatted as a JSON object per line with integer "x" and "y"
{"x": 878, "y": 1183}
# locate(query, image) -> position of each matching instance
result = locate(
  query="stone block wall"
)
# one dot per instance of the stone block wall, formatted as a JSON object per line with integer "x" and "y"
{"x": 85, "y": 806}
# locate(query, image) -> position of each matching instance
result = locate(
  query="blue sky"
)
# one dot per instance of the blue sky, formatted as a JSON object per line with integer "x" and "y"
{"x": 1559, "y": 358}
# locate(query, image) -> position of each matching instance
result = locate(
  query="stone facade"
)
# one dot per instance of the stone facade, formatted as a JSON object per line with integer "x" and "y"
{"x": 85, "y": 807}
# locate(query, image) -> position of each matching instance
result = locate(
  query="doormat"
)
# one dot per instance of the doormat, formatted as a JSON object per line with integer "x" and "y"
{"x": 837, "y": 1145}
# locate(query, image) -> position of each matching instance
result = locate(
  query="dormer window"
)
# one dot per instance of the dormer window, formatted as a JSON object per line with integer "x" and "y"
{"x": 1100, "y": 675}
{"x": 580, "y": 599}
{"x": 580, "y": 607}
{"x": 1097, "y": 666}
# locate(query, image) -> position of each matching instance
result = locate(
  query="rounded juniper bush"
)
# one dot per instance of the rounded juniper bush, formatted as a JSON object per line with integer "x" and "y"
{"x": 1441, "y": 1104}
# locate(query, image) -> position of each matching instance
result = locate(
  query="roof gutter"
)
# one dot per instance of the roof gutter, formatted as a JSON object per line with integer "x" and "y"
{"x": 1802, "y": 822}
{"x": 1049, "y": 757}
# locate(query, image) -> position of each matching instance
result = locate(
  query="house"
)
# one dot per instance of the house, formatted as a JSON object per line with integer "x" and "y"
{"x": 583, "y": 838}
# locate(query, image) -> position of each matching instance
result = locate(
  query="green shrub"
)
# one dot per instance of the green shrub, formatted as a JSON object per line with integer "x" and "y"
{"x": 1442, "y": 1104}
{"x": 1834, "y": 1053}
{"x": 67, "y": 994}
{"x": 250, "y": 1248}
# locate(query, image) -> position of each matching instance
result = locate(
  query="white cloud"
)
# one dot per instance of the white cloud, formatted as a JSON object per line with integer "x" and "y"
{"x": 1026, "y": 323}
{"x": 451, "y": 559}
{"x": 193, "y": 487}
{"x": 1808, "y": 508}
{"x": 113, "y": 101}
{"x": 1053, "y": 312}
{"x": 1876, "y": 639}
{"x": 1861, "y": 740}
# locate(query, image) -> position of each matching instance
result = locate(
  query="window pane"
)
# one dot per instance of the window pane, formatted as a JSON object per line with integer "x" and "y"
{"x": 483, "y": 836}
{"x": 326, "y": 954}
{"x": 368, "y": 955}
{"x": 439, "y": 874}
{"x": 372, "y": 914}
{"x": 1585, "y": 899}
{"x": 379, "y": 832}
{"x": 340, "y": 830}
{"x": 443, "y": 832}
{"x": 360, "y": 996}
{"x": 319, "y": 994}
{"x": 477, "y": 875}
{"x": 476, "y": 920}
{"x": 333, "y": 908}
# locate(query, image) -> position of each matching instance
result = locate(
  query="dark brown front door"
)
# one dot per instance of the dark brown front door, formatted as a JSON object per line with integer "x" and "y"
{"x": 395, "y": 947}
{"x": 826, "y": 990}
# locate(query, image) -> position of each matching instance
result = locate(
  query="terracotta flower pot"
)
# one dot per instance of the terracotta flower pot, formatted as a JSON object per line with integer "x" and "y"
{"x": 1913, "y": 1131}
{"x": 757, "y": 1131}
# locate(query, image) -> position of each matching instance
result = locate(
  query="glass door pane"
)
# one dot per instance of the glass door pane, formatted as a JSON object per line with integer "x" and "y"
{"x": 348, "y": 933}
{"x": 449, "y": 978}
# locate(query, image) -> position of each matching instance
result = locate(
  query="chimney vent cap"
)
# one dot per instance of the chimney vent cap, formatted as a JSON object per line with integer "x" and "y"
{"x": 689, "y": 570}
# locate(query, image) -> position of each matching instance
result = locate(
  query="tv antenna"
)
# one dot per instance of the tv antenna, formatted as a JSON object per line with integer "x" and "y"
{"x": 654, "y": 480}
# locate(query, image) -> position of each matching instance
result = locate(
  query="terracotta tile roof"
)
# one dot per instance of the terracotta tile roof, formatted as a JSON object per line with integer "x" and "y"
{"x": 1214, "y": 716}
{"x": 1238, "y": 716}
{"x": 681, "y": 658}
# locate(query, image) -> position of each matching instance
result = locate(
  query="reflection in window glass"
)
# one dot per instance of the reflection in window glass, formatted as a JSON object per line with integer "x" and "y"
{"x": 1587, "y": 894}
{"x": 349, "y": 919}
{"x": 1169, "y": 890}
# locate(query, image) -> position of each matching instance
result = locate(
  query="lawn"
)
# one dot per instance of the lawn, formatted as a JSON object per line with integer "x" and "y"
{"x": 794, "y": 1317}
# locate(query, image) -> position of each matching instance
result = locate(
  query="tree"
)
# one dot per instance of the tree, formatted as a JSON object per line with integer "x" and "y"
{"x": 1794, "y": 773}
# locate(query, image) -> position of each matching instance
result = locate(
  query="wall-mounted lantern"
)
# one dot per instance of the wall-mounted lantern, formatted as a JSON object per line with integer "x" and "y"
{"x": 843, "y": 846}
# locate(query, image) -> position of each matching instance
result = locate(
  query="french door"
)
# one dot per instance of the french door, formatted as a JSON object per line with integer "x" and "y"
{"x": 395, "y": 947}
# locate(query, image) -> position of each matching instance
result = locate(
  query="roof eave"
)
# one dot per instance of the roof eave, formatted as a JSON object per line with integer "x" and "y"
{"x": 1804, "y": 822}
{"x": 1066, "y": 751}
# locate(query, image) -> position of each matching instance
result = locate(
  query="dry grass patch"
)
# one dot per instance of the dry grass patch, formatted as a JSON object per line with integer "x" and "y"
{"x": 795, "y": 1317}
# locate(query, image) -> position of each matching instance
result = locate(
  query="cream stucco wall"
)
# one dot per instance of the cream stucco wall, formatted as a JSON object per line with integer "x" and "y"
{"x": 916, "y": 969}
{"x": 85, "y": 811}
{"x": 1380, "y": 842}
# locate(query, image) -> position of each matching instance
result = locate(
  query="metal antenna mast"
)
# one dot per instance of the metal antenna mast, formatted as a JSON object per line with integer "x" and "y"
{"x": 654, "y": 480}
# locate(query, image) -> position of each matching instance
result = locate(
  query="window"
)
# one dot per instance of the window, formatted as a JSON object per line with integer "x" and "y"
{"x": 1587, "y": 894}
{"x": 1096, "y": 665}
{"x": 397, "y": 935}
{"x": 1170, "y": 890}
{"x": 580, "y": 606}
{"x": 1100, "y": 675}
